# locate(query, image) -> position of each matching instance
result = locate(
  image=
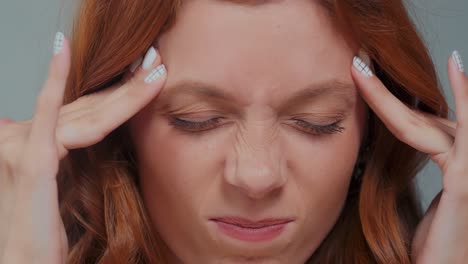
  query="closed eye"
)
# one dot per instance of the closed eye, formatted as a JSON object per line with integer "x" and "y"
{"x": 307, "y": 127}
{"x": 194, "y": 127}
{"x": 319, "y": 129}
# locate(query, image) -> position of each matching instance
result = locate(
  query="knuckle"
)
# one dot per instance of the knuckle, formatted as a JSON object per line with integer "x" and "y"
{"x": 19, "y": 158}
{"x": 402, "y": 134}
{"x": 97, "y": 133}
{"x": 91, "y": 127}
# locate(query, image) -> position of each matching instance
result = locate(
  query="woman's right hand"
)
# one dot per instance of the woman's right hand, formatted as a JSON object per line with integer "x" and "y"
{"x": 31, "y": 229}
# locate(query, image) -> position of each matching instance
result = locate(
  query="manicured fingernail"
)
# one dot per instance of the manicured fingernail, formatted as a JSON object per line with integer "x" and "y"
{"x": 135, "y": 64}
{"x": 156, "y": 74}
{"x": 365, "y": 57}
{"x": 362, "y": 67}
{"x": 458, "y": 60}
{"x": 150, "y": 57}
{"x": 58, "y": 42}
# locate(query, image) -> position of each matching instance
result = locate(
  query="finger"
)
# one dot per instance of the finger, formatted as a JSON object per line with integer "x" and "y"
{"x": 150, "y": 60}
{"x": 3, "y": 132}
{"x": 459, "y": 86}
{"x": 87, "y": 102}
{"x": 135, "y": 65}
{"x": 14, "y": 129}
{"x": 444, "y": 124}
{"x": 422, "y": 230}
{"x": 4, "y": 122}
{"x": 120, "y": 106}
{"x": 397, "y": 117}
{"x": 50, "y": 98}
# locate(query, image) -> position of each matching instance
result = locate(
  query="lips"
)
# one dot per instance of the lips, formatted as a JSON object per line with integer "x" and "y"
{"x": 242, "y": 222}
{"x": 252, "y": 231}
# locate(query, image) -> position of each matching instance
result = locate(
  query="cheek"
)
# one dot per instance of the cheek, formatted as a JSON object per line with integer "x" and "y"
{"x": 325, "y": 164}
{"x": 175, "y": 174}
{"x": 175, "y": 170}
{"x": 322, "y": 172}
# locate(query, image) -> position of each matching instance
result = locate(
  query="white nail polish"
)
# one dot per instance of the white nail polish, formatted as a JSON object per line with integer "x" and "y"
{"x": 135, "y": 64}
{"x": 150, "y": 57}
{"x": 359, "y": 64}
{"x": 58, "y": 42}
{"x": 156, "y": 74}
{"x": 458, "y": 61}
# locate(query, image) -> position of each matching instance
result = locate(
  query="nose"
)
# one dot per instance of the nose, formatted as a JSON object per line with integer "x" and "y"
{"x": 256, "y": 168}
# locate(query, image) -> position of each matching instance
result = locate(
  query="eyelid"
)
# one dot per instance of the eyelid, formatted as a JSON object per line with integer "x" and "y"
{"x": 325, "y": 119}
{"x": 194, "y": 126}
{"x": 330, "y": 122}
{"x": 304, "y": 126}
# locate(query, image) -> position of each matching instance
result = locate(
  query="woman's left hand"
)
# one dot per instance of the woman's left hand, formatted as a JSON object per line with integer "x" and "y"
{"x": 442, "y": 235}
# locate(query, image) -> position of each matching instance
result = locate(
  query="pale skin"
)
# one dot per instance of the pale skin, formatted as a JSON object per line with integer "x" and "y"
{"x": 257, "y": 161}
{"x": 441, "y": 236}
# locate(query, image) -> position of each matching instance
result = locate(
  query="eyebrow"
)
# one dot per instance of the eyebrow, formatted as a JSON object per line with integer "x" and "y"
{"x": 342, "y": 90}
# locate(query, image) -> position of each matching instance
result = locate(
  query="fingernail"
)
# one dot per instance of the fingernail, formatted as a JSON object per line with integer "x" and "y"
{"x": 58, "y": 42}
{"x": 365, "y": 57}
{"x": 156, "y": 74}
{"x": 458, "y": 60}
{"x": 362, "y": 67}
{"x": 150, "y": 57}
{"x": 135, "y": 64}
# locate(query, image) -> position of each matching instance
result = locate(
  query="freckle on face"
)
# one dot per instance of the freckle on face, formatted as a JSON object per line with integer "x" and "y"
{"x": 251, "y": 65}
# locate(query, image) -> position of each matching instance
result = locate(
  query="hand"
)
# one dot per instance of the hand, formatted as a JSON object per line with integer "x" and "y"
{"x": 31, "y": 229}
{"x": 442, "y": 235}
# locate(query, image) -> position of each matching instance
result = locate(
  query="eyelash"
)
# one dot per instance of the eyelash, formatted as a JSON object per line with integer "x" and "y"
{"x": 196, "y": 127}
{"x": 320, "y": 130}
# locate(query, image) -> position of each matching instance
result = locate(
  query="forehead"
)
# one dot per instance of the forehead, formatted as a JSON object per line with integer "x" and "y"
{"x": 269, "y": 48}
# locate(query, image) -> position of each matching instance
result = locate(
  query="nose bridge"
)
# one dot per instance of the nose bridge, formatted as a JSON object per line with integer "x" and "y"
{"x": 257, "y": 161}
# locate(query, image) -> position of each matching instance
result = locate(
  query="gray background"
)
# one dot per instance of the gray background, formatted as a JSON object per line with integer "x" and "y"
{"x": 27, "y": 28}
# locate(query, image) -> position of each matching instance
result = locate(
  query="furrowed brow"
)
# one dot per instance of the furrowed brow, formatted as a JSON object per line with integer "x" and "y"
{"x": 344, "y": 91}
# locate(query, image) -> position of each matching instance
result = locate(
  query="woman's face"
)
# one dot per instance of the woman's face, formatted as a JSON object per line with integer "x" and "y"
{"x": 232, "y": 133}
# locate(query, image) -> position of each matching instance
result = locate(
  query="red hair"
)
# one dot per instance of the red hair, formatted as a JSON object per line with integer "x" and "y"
{"x": 103, "y": 212}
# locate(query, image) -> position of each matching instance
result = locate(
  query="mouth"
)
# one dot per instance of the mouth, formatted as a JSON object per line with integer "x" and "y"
{"x": 252, "y": 231}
